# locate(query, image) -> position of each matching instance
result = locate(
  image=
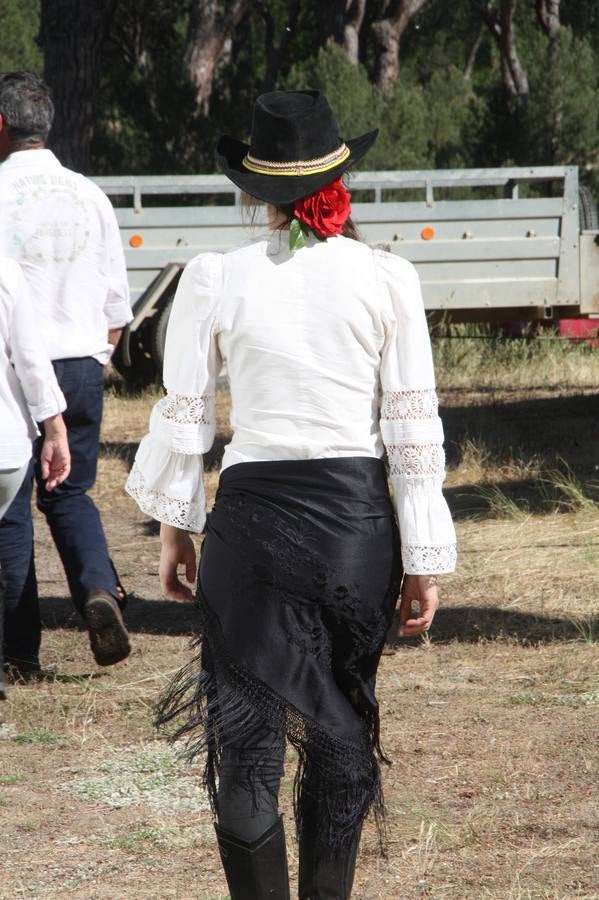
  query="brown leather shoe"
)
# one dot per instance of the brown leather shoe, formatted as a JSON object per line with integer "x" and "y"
{"x": 107, "y": 632}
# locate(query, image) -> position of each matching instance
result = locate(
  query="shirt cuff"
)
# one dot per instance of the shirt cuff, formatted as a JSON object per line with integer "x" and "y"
{"x": 428, "y": 541}
{"x": 52, "y": 405}
{"x": 118, "y": 314}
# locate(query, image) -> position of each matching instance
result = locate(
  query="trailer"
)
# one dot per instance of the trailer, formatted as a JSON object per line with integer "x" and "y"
{"x": 489, "y": 244}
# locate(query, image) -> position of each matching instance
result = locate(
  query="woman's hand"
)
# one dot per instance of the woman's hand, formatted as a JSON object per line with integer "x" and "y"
{"x": 177, "y": 549}
{"x": 55, "y": 457}
{"x": 421, "y": 589}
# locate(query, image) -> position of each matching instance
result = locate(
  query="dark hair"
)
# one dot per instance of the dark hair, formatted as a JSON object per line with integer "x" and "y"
{"x": 250, "y": 206}
{"x": 350, "y": 229}
{"x": 26, "y": 107}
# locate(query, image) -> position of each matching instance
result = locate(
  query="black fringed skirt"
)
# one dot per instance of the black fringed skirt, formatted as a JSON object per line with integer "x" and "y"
{"x": 299, "y": 576}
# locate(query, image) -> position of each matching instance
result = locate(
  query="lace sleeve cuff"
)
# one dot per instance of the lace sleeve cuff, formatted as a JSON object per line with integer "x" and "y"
{"x": 428, "y": 544}
{"x": 184, "y": 422}
{"x": 413, "y": 436}
{"x": 168, "y": 486}
{"x": 428, "y": 560}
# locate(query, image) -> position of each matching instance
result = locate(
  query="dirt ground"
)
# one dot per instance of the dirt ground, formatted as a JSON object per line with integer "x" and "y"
{"x": 492, "y": 724}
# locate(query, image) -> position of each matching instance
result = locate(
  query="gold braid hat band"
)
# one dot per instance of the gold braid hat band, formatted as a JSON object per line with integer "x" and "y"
{"x": 298, "y": 167}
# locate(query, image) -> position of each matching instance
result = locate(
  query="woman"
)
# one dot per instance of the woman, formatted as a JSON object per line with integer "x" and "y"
{"x": 301, "y": 565}
{"x": 29, "y": 393}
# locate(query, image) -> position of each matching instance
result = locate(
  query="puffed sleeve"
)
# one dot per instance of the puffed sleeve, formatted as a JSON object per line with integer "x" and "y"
{"x": 410, "y": 426}
{"x": 166, "y": 480}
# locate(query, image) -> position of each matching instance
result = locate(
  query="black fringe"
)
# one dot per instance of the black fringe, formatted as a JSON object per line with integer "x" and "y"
{"x": 213, "y": 701}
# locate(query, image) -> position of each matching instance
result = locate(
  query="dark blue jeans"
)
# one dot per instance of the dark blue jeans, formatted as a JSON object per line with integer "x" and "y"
{"x": 72, "y": 516}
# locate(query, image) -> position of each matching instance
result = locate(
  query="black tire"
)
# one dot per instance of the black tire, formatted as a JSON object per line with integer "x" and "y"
{"x": 158, "y": 337}
{"x": 589, "y": 218}
{"x": 142, "y": 370}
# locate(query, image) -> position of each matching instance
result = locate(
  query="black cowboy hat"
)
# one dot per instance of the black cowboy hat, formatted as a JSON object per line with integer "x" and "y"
{"x": 294, "y": 149}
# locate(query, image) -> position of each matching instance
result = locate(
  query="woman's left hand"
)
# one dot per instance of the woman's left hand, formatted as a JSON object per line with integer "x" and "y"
{"x": 420, "y": 589}
{"x": 177, "y": 549}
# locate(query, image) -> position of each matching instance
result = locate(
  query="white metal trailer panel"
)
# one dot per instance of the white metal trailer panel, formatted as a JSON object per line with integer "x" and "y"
{"x": 472, "y": 254}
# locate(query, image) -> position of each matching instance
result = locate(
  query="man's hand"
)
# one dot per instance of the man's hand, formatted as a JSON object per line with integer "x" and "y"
{"x": 114, "y": 336}
{"x": 421, "y": 589}
{"x": 177, "y": 549}
{"x": 55, "y": 458}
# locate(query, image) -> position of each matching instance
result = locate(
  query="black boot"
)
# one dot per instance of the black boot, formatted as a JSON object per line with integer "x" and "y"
{"x": 323, "y": 875}
{"x": 256, "y": 870}
{"x": 326, "y": 877}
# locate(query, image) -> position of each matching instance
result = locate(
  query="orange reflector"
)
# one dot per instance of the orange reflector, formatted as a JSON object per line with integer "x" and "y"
{"x": 427, "y": 233}
{"x": 136, "y": 240}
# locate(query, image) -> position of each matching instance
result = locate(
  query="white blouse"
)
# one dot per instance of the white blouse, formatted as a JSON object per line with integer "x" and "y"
{"x": 29, "y": 391}
{"x": 328, "y": 354}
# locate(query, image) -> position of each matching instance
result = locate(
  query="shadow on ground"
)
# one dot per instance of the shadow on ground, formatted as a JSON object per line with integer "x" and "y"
{"x": 557, "y": 434}
{"x": 471, "y": 624}
{"x": 465, "y": 624}
{"x": 547, "y": 428}
{"x": 143, "y": 616}
{"x": 517, "y": 498}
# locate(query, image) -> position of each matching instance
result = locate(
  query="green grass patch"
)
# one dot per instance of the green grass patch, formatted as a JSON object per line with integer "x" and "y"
{"x": 172, "y": 838}
{"x": 11, "y": 778}
{"x": 473, "y": 356}
{"x": 39, "y": 736}
{"x": 588, "y": 629}
{"x": 500, "y": 506}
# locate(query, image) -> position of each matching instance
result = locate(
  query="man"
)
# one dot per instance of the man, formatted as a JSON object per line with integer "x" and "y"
{"x": 62, "y": 229}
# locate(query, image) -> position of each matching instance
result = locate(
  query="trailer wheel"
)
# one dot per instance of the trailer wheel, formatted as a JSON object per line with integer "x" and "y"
{"x": 589, "y": 218}
{"x": 142, "y": 370}
{"x": 158, "y": 338}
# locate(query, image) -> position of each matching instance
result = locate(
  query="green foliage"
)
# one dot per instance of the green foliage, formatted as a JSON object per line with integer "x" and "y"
{"x": 420, "y": 127}
{"x": 354, "y": 99}
{"x": 454, "y": 112}
{"x": 19, "y": 25}
{"x": 148, "y": 120}
{"x": 405, "y": 131}
{"x": 562, "y": 119}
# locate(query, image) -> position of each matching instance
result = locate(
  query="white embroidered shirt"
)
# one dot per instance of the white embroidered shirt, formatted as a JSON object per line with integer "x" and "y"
{"x": 60, "y": 227}
{"x": 328, "y": 354}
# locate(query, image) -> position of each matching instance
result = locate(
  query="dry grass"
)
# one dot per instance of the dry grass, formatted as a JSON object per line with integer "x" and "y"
{"x": 493, "y": 724}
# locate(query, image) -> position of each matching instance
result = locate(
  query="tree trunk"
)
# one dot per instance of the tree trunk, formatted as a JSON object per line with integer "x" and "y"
{"x": 71, "y": 36}
{"x": 548, "y": 16}
{"x": 275, "y": 53}
{"x": 351, "y": 29}
{"x": 502, "y": 29}
{"x": 211, "y": 24}
{"x": 387, "y": 35}
{"x": 341, "y": 21}
{"x": 473, "y": 54}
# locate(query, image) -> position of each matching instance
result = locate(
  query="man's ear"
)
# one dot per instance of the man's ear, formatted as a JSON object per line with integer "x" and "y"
{"x": 2, "y": 125}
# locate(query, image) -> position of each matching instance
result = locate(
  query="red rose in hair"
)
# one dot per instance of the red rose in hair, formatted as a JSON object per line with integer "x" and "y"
{"x": 326, "y": 211}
